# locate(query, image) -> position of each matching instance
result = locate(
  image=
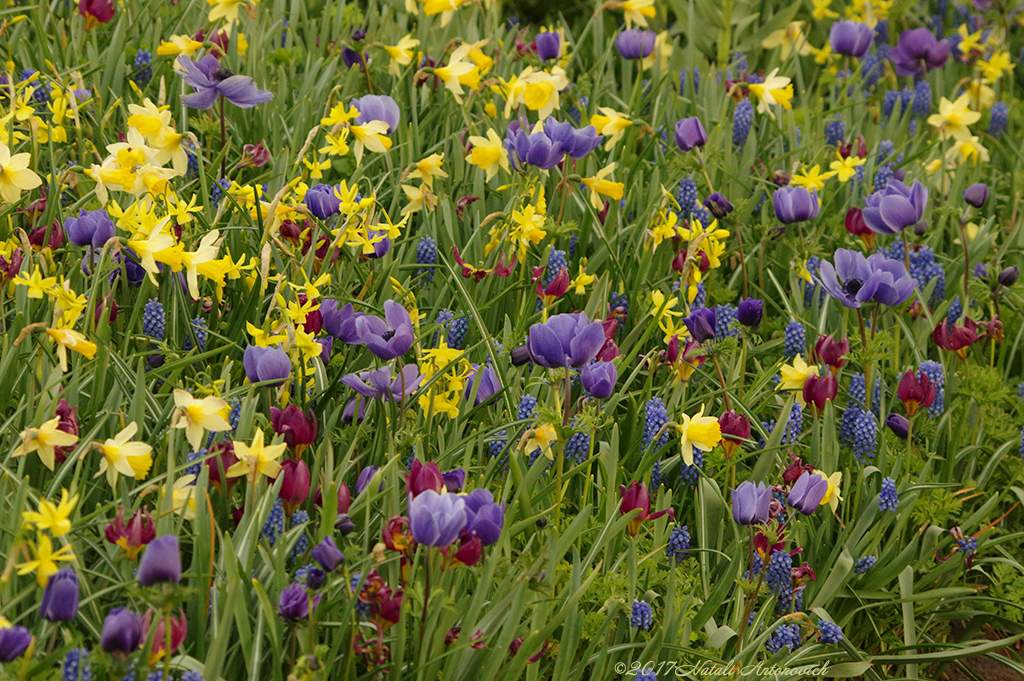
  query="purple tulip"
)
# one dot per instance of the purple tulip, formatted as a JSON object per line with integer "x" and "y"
{"x": 454, "y": 480}
{"x": 377, "y": 108}
{"x": 60, "y": 598}
{"x": 122, "y": 631}
{"x": 326, "y": 345}
{"x": 531, "y": 148}
{"x": 485, "y": 519}
{"x": 161, "y": 562}
{"x": 976, "y": 195}
{"x": 365, "y": 476}
{"x": 751, "y": 503}
{"x": 690, "y": 134}
{"x": 321, "y": 201}
{"x": 266, "y": 364}
{"x": 635, "y": 43}
{"x": 899, "y": 425}
{"x": 565, "y": 340}
{"x": 851, "y": 38}
{"x": 599, "y": 379}
{"x": 895, "y": 208}
{"x": 436, "y": 519}
{"x": 14, "y": 641}
{"x": 549, "y": 45}
{"x": 380, "y": 385}
{"x": 701, "y": 324}
{"x": 718, "y": 205}
{"x": 864, "y": 279}
{"x": 489, "y": 384}
{"x": 918, "y": 52}
{"x": 576, "y": 143}
{"x": 749, "y": 312}
{"x": 327, "y": 555}
{"x": 340, "y": 323}
{"x": 210, "y": 80}
{"x": 90, "y": 228}
{"x": 795, "y": 204}
{"x": 808, "y": 491}
{"x": 294, "y": 603}
{"x": 390, "y": 337}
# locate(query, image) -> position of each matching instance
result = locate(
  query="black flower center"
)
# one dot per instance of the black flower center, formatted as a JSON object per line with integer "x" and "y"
{"x": 221, "y": 73}
{"x": 388, "y": 336}
{"x": 852, "y": 286}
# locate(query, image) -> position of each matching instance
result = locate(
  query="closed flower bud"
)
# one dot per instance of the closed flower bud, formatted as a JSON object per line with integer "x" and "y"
{"x": 718, "y": 205}
{"x": 343, "y": 524}
{"x": 471, "y": 549}
{"x": 701, "y": 324}
{"x": 548, "y": 45}
{"x": 735, "y": 430}
{"x": 915, "y": 390}
{"x": 454, "y": 480}
{"x": 599, "y": 379}
{"x": 295, "y": 485}
{"x": 14, "y": 641}
{"x": 161, "y": 562}
{"x": 423, "y": 476}
{"x": 1008, "y": 277}
{"x": 60, "y": 599}
{"x": 122, "y": 631}
{"x": 749, "y": 312}
{"x": 831, "y": 352}
{"x": 818, "y": 390}
{"x": 690, "y": 135}
{"x": 899, "y": 425}
{"x": 327, "y": 555}
{"x": 977, "y": 194}
{"x": 807, "y": 492}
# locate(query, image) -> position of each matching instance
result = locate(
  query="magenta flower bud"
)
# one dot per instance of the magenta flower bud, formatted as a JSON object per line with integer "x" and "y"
{"x": 161, "y": 562}
{"x": 255, "y": 155}
{"x": 122, "y": 631}
{"x": 635, "y": 43}
{"x": 977, "y": 194}
{"x": 807, "y": 492}
{"x": 298, "y": 427}
{"x": 820, "y": 389}
{"x": 422, "y": 477}
{"x": 851, "y": 38}
{"x": 60, "y": 599}
{"x": 294, "y": 485}
{"x": 96, "y": 12}
{"x": 831, "y": 352}
{"x": 735, "y": 430}
{"x": 690, "y": 134}
{"x": 327, "y": 555}
{"x": 915, "y": 390}
{"x": 599, "y": 379}
{"x": 549, "y": 45}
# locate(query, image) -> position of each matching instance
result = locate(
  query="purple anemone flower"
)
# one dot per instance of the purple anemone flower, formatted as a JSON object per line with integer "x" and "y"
{"x": 599, "y": 379}
{"x": 390, "y": 337}
{"x": 750, "y": 503}
{"x": 855, "y": 280}
{"x": 321, "y": 201}
{"x": 565, "y": 340}
{"x": 635, "y": 43}
{"x": 340, "y": 322}
{"x": 918, "y": 52}
{"x": 895, "y": 208}
{"x": 484, "y": 518}
{"x": 795, "y": 204}
{"x": 211, "y": 80}
{"x": 576, "y": 143}
{"x": 377, "y": 108}
{"x": 266, "y": 364}
{"x": 381, "y": 385}
{"x": 851, "y": 38}
{"x": 531, "y": 148}
{"x": 549, "y": 45}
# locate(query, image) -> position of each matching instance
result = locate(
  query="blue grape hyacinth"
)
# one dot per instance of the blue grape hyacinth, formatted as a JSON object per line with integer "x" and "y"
{"x": 642, "y": 616}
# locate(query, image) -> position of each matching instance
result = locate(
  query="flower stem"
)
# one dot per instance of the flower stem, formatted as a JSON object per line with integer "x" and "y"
{"x": 223, "y": 142}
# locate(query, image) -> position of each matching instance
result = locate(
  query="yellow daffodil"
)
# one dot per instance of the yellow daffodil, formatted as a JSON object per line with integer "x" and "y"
{"x": 954, "y": 117}
{"x": 528, "y": 228}
{"x": 662, "y": 52}
{"x": 489, "y": 153}
{"x": 599, "y": 187}
{"x": 540, "y": 438}
{"x": 665, "y": 227}
{"x": 795, "y": 375}
{"x": 701, "y": 432}
{"x": 822, "y": 11}
{"x": 456, "y": 67}
{"x": 69, "y": 339}
{"x": 811, "y": 179}
{"x": 969, "y": 42}
{"x": 183, "y": 496}
{"x": 43, "y": 440}
{"x": 226, "y": 10}
{"x": 637, "y": 12}
{"x": 582, "y": 279}
{"x": 420, "y": 198}
{"x": 52, "y": 517}
{"x": 401, "y": 54}
{"x": 845, "y": 168}
{"x": 15, "y": 175}
{"x": 196, "y": 416}
{"x": 835, "y": 487}
{"x": 969, "y": 149}
{"x": 370, "y": 135}
{"x": 122, "y": 456}
{"x": 996, "y": 65}
{"x": 337, "y": 145}
{"x": 339, "y": 115}
{"x": 790, "y": 39}
{"x": 611, "y": 124}
{"x": 257, "y": 459}
{"x": 38, "y": 285}
{"x": 179, "y": 44}
{"x": 446, "y": 8}
{"x": 775, "y": 89}
{"x": 44, "y": 563}
{"x": 429, "y": 168}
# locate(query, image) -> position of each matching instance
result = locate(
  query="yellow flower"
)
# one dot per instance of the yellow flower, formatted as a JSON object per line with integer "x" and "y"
{"x": 225, "y": 9}
{"x": 370, "y": 135}
{"x": 539, "y": 90}
{"x": 401, "y": 54}
{"x": 811, "y": 179}
{"x": 790, "y": 38}
{"x": 429, "y": 168}
{"x": 661, "y": 53}
{"x": 316, "y": 168}
{"x": 45, "y": 562}
{"x": 540, "y": 438}
{"x": 53, "y": 517}
{"x": 664, "y": 308}
{"x": 529, "y": 228}
{"x": 74, "y": 340}
{"x": 968, "y": 41}
{"x": 256, "y": 459}
{"x": 665, "y": 227}
{"x": 982, "y": 96}
{"x": 43, "y": 440}
{"x": 601, "y": 187}
{"x": 489, "y": 153}
{"x": 120, "y": 455}
{"x": 446, "y": 8}
{"x": 420, "y": 198}
{"x": 582, "y": 279}
{"x": 702, "y": 432}
{"x": 611, "y": 124}
{"x": 637, "y": 11}
{"x": 456, "y": 67}
{"x": 183, "y": 496}
{"x": 823, "y": 55}
{"x": 795, "y": 375}
{"x": 970, "y": 149}
{"x": 954, "y": 117}
{"x": 37, "y": 285}
{"x": 190, "y": 260}
{"x": 835, "y": 487}
{"x": 179, "y": 44}
{"x": 15, "y": 175}
{"x": 337, "y": 145}
{"x": 846, "y": 168}
{"x": 339, "y": 115}
{"x": 822, "y": 11}
{"x": 995, "y": 66}
{"x": 775, "y": 89}
{"x": 195, "y": 416}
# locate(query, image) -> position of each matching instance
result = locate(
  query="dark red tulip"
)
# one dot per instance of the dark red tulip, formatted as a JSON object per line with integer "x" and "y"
{"x": 636, "y": 496}
{"x": 38, "y": 236}
{"x": 398, "y": 536}
{"x": 131, "y": 537}
{"x": 471, "y": 549}
{"x": 956, "y": 338}
{"x": 795, "y": 469}
{"x": 818, "y": 390}
{"x": 68, "y": 423}
{"x": 295, "y": 486}
{"x": 423, "y": 476}
{"x": 828, "y": 351}
{"x": 735, "y": 430}
{"x": 298, "y": 428}
{"x": 223, "y": 459}
{"x": 915, "y": 390}
{"x": 96, "y": 12}
{"x": 856, "y": 226}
